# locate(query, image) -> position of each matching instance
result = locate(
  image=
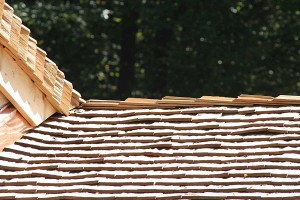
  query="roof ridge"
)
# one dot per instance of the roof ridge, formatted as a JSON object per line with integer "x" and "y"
{"x": 16, "y": 40}
{"x": 173, "y": 102}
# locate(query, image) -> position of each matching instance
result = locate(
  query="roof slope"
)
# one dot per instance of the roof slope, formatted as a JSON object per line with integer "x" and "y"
{"x": 16, "y": 41}
{"x": 12, "y": 126}
{"x": 215, "y": 152}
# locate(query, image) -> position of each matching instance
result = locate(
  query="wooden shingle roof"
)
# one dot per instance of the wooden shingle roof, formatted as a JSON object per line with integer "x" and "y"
{"x": 176, "y": 151}
{"x": 174, "y": 148}
{"x": 28, "y": 78}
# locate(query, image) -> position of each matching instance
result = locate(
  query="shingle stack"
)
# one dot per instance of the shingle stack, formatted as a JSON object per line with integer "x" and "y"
{"x": 15, "y": 39}
{"x": 146, "y": 150}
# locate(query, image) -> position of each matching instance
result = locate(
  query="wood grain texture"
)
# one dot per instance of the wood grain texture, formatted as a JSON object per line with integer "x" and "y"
{"x": 3, "y": 100}
{"x": 21, "y": 91}
{"x": 12, "y": 126}
{"x": 230, "y": 152}
{"x": 44, "y": 73}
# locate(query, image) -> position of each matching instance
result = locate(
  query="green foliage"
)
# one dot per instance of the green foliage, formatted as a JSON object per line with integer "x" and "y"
{"x": 112, "y": 49}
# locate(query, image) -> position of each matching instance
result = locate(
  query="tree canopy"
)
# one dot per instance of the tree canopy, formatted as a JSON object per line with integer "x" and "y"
{"x": 113, "y": 49}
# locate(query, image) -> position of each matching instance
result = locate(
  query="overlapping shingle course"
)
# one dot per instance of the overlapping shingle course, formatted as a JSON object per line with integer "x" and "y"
{"x": 172, "y": 152}
{"x": 173, "y": 102}
{"x": 174, "y": 148}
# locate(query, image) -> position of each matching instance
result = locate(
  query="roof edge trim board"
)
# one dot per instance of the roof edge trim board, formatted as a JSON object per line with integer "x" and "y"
{"x": 20, "y": 90}
{"x": 47, "y": 77}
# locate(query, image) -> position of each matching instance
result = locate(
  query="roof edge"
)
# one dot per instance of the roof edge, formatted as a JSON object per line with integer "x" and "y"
{"x": 15, "y": 38}
{"x": 204, "y": 101}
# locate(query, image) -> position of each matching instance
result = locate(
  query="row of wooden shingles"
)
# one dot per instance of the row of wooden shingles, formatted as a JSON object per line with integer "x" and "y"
{"x": 243, "y": 100}
{"x": 45, "y": 74}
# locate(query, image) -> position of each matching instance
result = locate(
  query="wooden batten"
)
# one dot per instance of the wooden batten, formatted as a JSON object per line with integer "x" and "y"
{"x": 22, "y": 92}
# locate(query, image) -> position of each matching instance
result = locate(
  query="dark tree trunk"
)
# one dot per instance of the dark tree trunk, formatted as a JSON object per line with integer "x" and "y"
{"x": 160, "y": 72}
{"x": 127, "y": 54}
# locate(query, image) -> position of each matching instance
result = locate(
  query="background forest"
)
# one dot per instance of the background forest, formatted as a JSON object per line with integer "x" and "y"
{"x": 113, "y": 49}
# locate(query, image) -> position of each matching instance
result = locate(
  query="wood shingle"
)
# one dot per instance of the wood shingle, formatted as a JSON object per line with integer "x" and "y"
{"x": 214, "y": 152}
